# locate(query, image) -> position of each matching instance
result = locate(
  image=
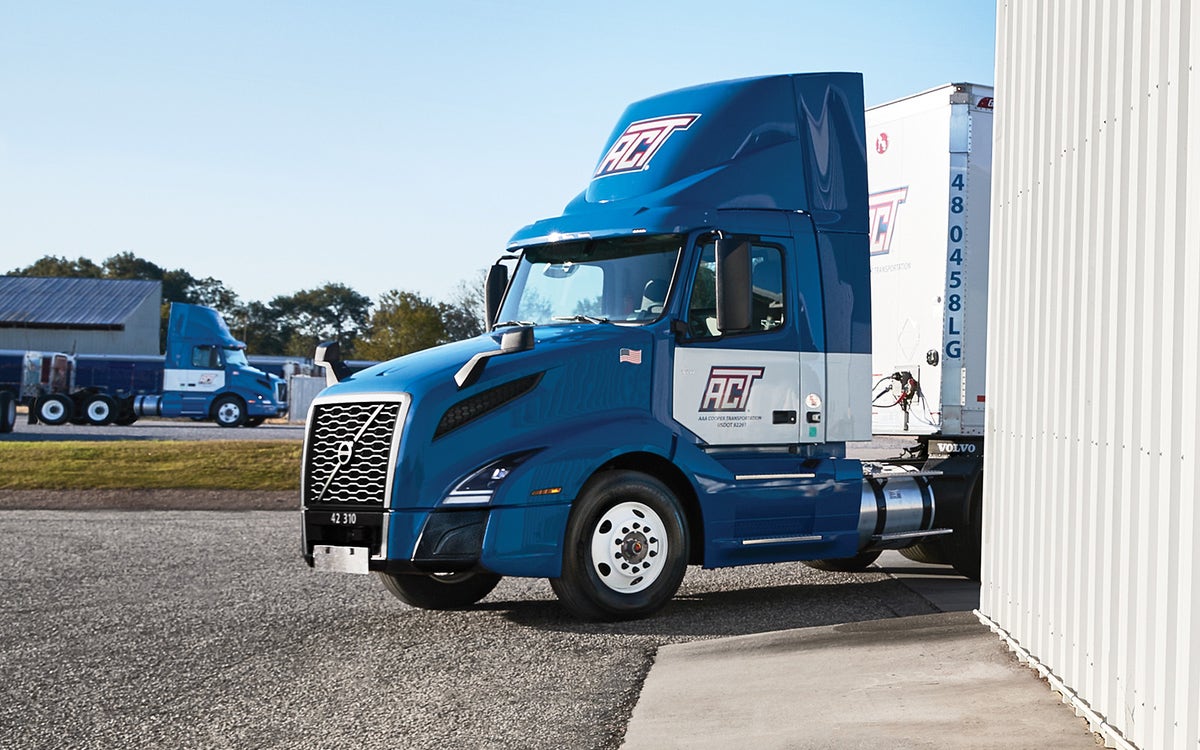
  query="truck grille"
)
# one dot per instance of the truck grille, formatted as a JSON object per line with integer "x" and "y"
{"x": 350, "y": 453}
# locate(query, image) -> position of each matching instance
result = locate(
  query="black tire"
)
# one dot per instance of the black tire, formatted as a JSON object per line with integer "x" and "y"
{"x": 8, "y": 412}
{"x": 965, "y": 545}
{"x": 440, "y": 590}
{"x": 54, "y": 409}
{"x": 859, "y": 562}
{"x": 100, "y": 410}
{"x": 229, "y": 411}
{"x": 930, "y": 553}
{"x": 626, "y": 548}
{"x": 255, "y": 421}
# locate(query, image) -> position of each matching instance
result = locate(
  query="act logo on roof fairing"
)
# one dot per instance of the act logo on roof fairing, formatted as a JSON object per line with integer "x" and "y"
{"x": 634, "y": 148}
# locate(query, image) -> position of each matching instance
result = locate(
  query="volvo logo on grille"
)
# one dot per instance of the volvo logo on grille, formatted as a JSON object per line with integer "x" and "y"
{"x": 345, "y": 451}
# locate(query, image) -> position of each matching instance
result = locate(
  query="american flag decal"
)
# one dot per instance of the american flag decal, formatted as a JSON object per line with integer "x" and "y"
{"x": 632, "y": 356}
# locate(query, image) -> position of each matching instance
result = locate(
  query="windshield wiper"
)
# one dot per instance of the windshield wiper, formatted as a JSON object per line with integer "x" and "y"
{"x": 513, "y": 323}
{"x": 580, "y": 319}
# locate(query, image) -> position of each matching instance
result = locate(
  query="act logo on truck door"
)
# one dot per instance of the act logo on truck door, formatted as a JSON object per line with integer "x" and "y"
{"x": 728, "y": 388}
{"x": 742, "y": 396}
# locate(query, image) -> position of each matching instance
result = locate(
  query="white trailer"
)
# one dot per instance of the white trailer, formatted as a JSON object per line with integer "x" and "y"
{"x": 929, "y": 160}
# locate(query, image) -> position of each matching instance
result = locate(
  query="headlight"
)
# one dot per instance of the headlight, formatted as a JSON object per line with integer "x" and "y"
{"x": 479, "y": 486}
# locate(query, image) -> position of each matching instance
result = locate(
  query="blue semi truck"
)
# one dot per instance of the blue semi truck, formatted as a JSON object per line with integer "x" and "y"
{"x": 674, "y": 369}
{"x": 204, "y": 375}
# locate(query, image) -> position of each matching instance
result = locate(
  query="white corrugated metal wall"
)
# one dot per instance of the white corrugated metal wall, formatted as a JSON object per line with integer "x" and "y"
{"x": 1091, "y": 529}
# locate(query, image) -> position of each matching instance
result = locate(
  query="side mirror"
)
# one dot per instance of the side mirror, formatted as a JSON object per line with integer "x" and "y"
{"x": 513, "y": 341}
{"x": 517, "y": 340}
{"x": 493, "y": 291}
{"x": 733, "y": 284}
{"x": 329, "y": 356}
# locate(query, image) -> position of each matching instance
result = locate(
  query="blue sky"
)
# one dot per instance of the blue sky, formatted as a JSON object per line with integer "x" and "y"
{"x": 278, "y": 146}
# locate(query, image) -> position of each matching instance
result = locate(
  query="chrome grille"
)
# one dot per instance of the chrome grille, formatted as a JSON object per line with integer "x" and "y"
{"x": 349, "y": 453}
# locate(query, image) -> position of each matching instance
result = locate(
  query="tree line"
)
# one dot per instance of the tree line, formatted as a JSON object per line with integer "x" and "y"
{"x": 399, "y": 322}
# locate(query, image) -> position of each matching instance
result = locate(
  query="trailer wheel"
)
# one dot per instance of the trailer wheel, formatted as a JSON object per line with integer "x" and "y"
{"x": 440, "y": 590}
{"x": 930, "y": 553}
{"x": 846, "y": 564}
{"x": 626, "y": 548}
{"x": 8, "y": 412}
{"x": 229, "y": 411}
{"x": 54, "y": 409}
{"x": 965, "y": 545}
{"x": 100, "y": 409}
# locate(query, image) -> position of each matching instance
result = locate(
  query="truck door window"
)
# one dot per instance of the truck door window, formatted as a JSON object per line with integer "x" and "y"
{"x": 768, "y": 302}
{"x": 206, "y": 358}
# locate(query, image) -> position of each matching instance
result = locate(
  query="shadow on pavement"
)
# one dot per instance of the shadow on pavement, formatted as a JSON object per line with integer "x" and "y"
{"x": 711, "y": 614}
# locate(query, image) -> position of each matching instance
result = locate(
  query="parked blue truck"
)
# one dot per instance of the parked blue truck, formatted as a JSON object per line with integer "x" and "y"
{"x": 674, "y": 368}
{"x": 204, "y": 375}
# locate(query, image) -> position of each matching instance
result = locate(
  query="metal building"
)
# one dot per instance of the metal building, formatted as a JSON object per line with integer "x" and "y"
{"x": 1092, "y": 535}
{"x": 84, "y": 316}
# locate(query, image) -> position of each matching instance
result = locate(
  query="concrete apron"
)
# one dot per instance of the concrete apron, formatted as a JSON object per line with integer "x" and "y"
{"x": 933, "y": 681}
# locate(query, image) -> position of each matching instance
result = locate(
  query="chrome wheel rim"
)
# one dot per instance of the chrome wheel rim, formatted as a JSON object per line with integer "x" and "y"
{"x": 629, "y": 547}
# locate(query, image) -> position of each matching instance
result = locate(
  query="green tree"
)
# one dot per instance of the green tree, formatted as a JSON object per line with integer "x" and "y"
{"x": 465, "y": 315}
{"x": 403, "y": 322}
{"x": 52, "y": 265}
{"x": 126, "y": 265}
{"x": 213, "y": 293}
{"x": 256, "y": 323}
{"x": 331, "y": 312}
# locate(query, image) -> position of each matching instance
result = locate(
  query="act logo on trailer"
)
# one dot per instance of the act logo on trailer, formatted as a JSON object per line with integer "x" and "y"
{"x": 728, "y": 388}
{"x": 885, "y": 207}
{"x": 634, "y": 148}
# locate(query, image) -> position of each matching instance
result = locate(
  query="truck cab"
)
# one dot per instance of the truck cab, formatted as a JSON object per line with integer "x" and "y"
{"x": 207, "y": 375}
{"x": 673, "y": 370}
{"x": 204, "y": 375}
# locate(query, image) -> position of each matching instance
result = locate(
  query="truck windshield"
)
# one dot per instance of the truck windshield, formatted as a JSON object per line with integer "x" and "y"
{"x": 235, "y": 356}
{"x": 622, "y": 280}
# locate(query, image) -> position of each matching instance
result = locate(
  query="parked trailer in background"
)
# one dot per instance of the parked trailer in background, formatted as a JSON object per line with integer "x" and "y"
{"x": 204, "y": 375}
{"x": 929, "y": 160}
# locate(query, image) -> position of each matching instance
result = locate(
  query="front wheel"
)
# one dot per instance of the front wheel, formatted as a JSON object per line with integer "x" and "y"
{"x": 440, "y": 590}
{"x": 229, "y": 411}
{"x": 626, "y": 548}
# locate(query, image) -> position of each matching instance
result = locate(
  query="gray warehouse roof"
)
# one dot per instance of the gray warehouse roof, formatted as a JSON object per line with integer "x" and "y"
{"x": 97, "y": 304}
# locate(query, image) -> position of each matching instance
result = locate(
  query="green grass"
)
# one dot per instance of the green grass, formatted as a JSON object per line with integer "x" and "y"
{"x": 168, "y": 464}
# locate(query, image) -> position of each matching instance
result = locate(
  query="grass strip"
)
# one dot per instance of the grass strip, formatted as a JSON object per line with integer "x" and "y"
{"x": 166, "y": 464}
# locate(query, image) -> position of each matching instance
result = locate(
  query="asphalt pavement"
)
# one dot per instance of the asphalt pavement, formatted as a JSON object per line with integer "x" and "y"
{"x": 198, "y": 629}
